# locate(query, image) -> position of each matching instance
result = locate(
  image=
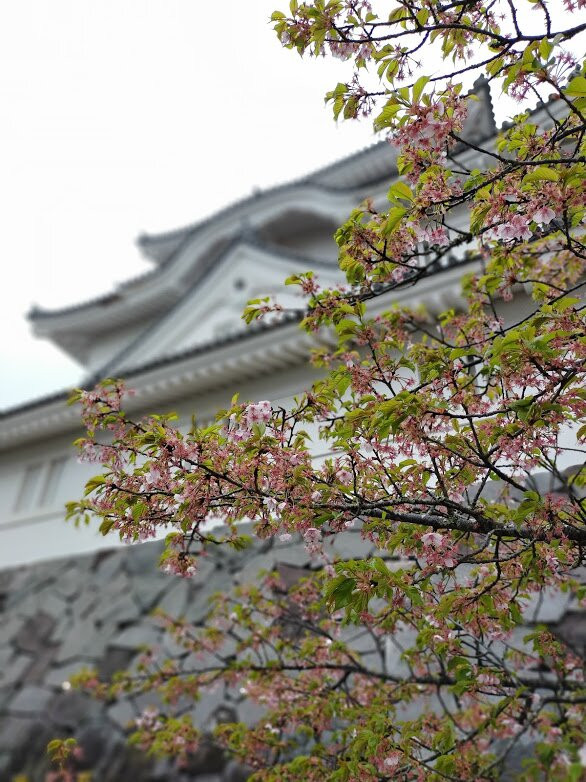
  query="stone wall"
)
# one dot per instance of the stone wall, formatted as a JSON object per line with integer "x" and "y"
{"x": 60, "y": 616}
{"x": 63, "y": 615}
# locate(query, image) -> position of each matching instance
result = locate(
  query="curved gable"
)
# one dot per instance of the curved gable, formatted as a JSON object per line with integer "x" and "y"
{"x": 211, "y": 308}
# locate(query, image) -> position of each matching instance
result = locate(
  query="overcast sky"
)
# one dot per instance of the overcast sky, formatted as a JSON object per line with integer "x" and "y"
{"x": 123, "y": 117}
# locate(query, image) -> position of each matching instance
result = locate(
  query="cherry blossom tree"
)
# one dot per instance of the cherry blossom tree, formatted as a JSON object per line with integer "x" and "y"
{"x": 436, "y": 426}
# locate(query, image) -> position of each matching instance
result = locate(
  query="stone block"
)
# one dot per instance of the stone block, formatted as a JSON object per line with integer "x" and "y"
{"x": 147, "y": 590}
{"x": 172, "y": 647}
{"x": 515, "y": 640}
{"x": 34, "y": 633}
{"x": 77, "y": 641}
{"x": 549, "y": 606}
{"x": 30, "y": 700}
{"x": 93, "y": 740}
{"x": 119, "y": 585}
{"x": 27, "y": 605}
{"x": 143, "y": 558}
{"x": 58, "y": 674}
{"x": 295, "y": 554}
{"x": 363, "y": 643}
{"x": 6, "y": 695}
{"x": 291, "y": 575}
{"x": 162, "y": 771}
{"x": 5, "y": 763}
{"x": 71, "y": 709}
{"x": 206, "y": 763}
{"x": 127, "y": 764}
{"x": 51, "y": 570}
{"x": 6, "y": 579}
{"x": 205, "y": 567}
{"x": 62, "y": 628}
{"x": 194, "y": 662}
{"x": 572, "y": 630}
{"x": 148, "y": 700}
{"x": 121, "y": 713}
{"x": 393, "y": 662}
{"x": 24, "y": 585}
{"x": 199, "y": 605}
{"x": 16, "y": 669}
{"x": 392, "y": 561}
{"x": 52, "y": 605}
{"x": 249, "y": 573}
{"x": 22, "y": 580}
{"x": 204, "y": 711}
{"x": 249, "y": 712}
{"x": 351, "y": 545}
{"x": 9, "y": 627}
{"x": 44, "y": 601}
{"x": 279, "y": 545}
{"x": 152, "y": 620}
{"x": 84, "y": 603}
{"x": 41, "y": 661}
{"x": 121, "y": 610}
{"x": 234, "y": 772}
{"x": 136, "y": 636}
{"x": 106, "y": 565}
{"x": 70, "y": 583}
{"x": 174, "y": 601}
{"x": 5, "y": 655}
{"x": 114, "y": 660}
{"x": 14, "y": 732}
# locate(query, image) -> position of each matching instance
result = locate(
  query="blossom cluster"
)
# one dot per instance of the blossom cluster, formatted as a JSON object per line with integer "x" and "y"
{"x": 240, "y": 427}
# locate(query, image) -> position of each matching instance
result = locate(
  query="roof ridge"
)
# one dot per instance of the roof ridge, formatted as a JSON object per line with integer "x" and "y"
{"x": 287, "y": 318}
{"x": 246, "y": 238}
{"x": 259, "y": 327}
{"x": 145, "y": 238}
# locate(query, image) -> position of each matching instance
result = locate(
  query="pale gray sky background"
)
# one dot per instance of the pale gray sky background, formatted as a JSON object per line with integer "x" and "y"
{"x": 142, "y": 115}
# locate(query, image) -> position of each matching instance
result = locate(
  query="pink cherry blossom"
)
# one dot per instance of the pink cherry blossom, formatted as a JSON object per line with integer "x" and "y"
{"x": 392, "y": 760}
{"x": 434, "y": 235}
{"x": 517, "y": 227}
{"x": 432, "y": 539}
{"x": 543, "y": 215}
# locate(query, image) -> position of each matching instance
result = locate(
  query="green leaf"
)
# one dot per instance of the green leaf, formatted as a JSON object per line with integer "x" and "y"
{"x": 387, "y": 115}
{"x": 341, "y": 594}
{"x": 577, "y": 87}
{"x": 93, "y": 483}
{"x": 545, "y": 48}
{"x": 422, "y": 16}
{"x": 540, "y": 174}
{"x": 394, "y": 218}
{"x": 418, "y": 88}
{"x": 346, "y": 326}
{"x": 106, "y": 526}
{"x": 400, "y": 190}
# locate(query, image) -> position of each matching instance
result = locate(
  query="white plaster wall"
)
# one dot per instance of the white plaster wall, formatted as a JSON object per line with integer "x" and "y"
{"x": 32, "y": 512}
{"x": 33, "y": 529}
{"x": 36, "y": 530}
